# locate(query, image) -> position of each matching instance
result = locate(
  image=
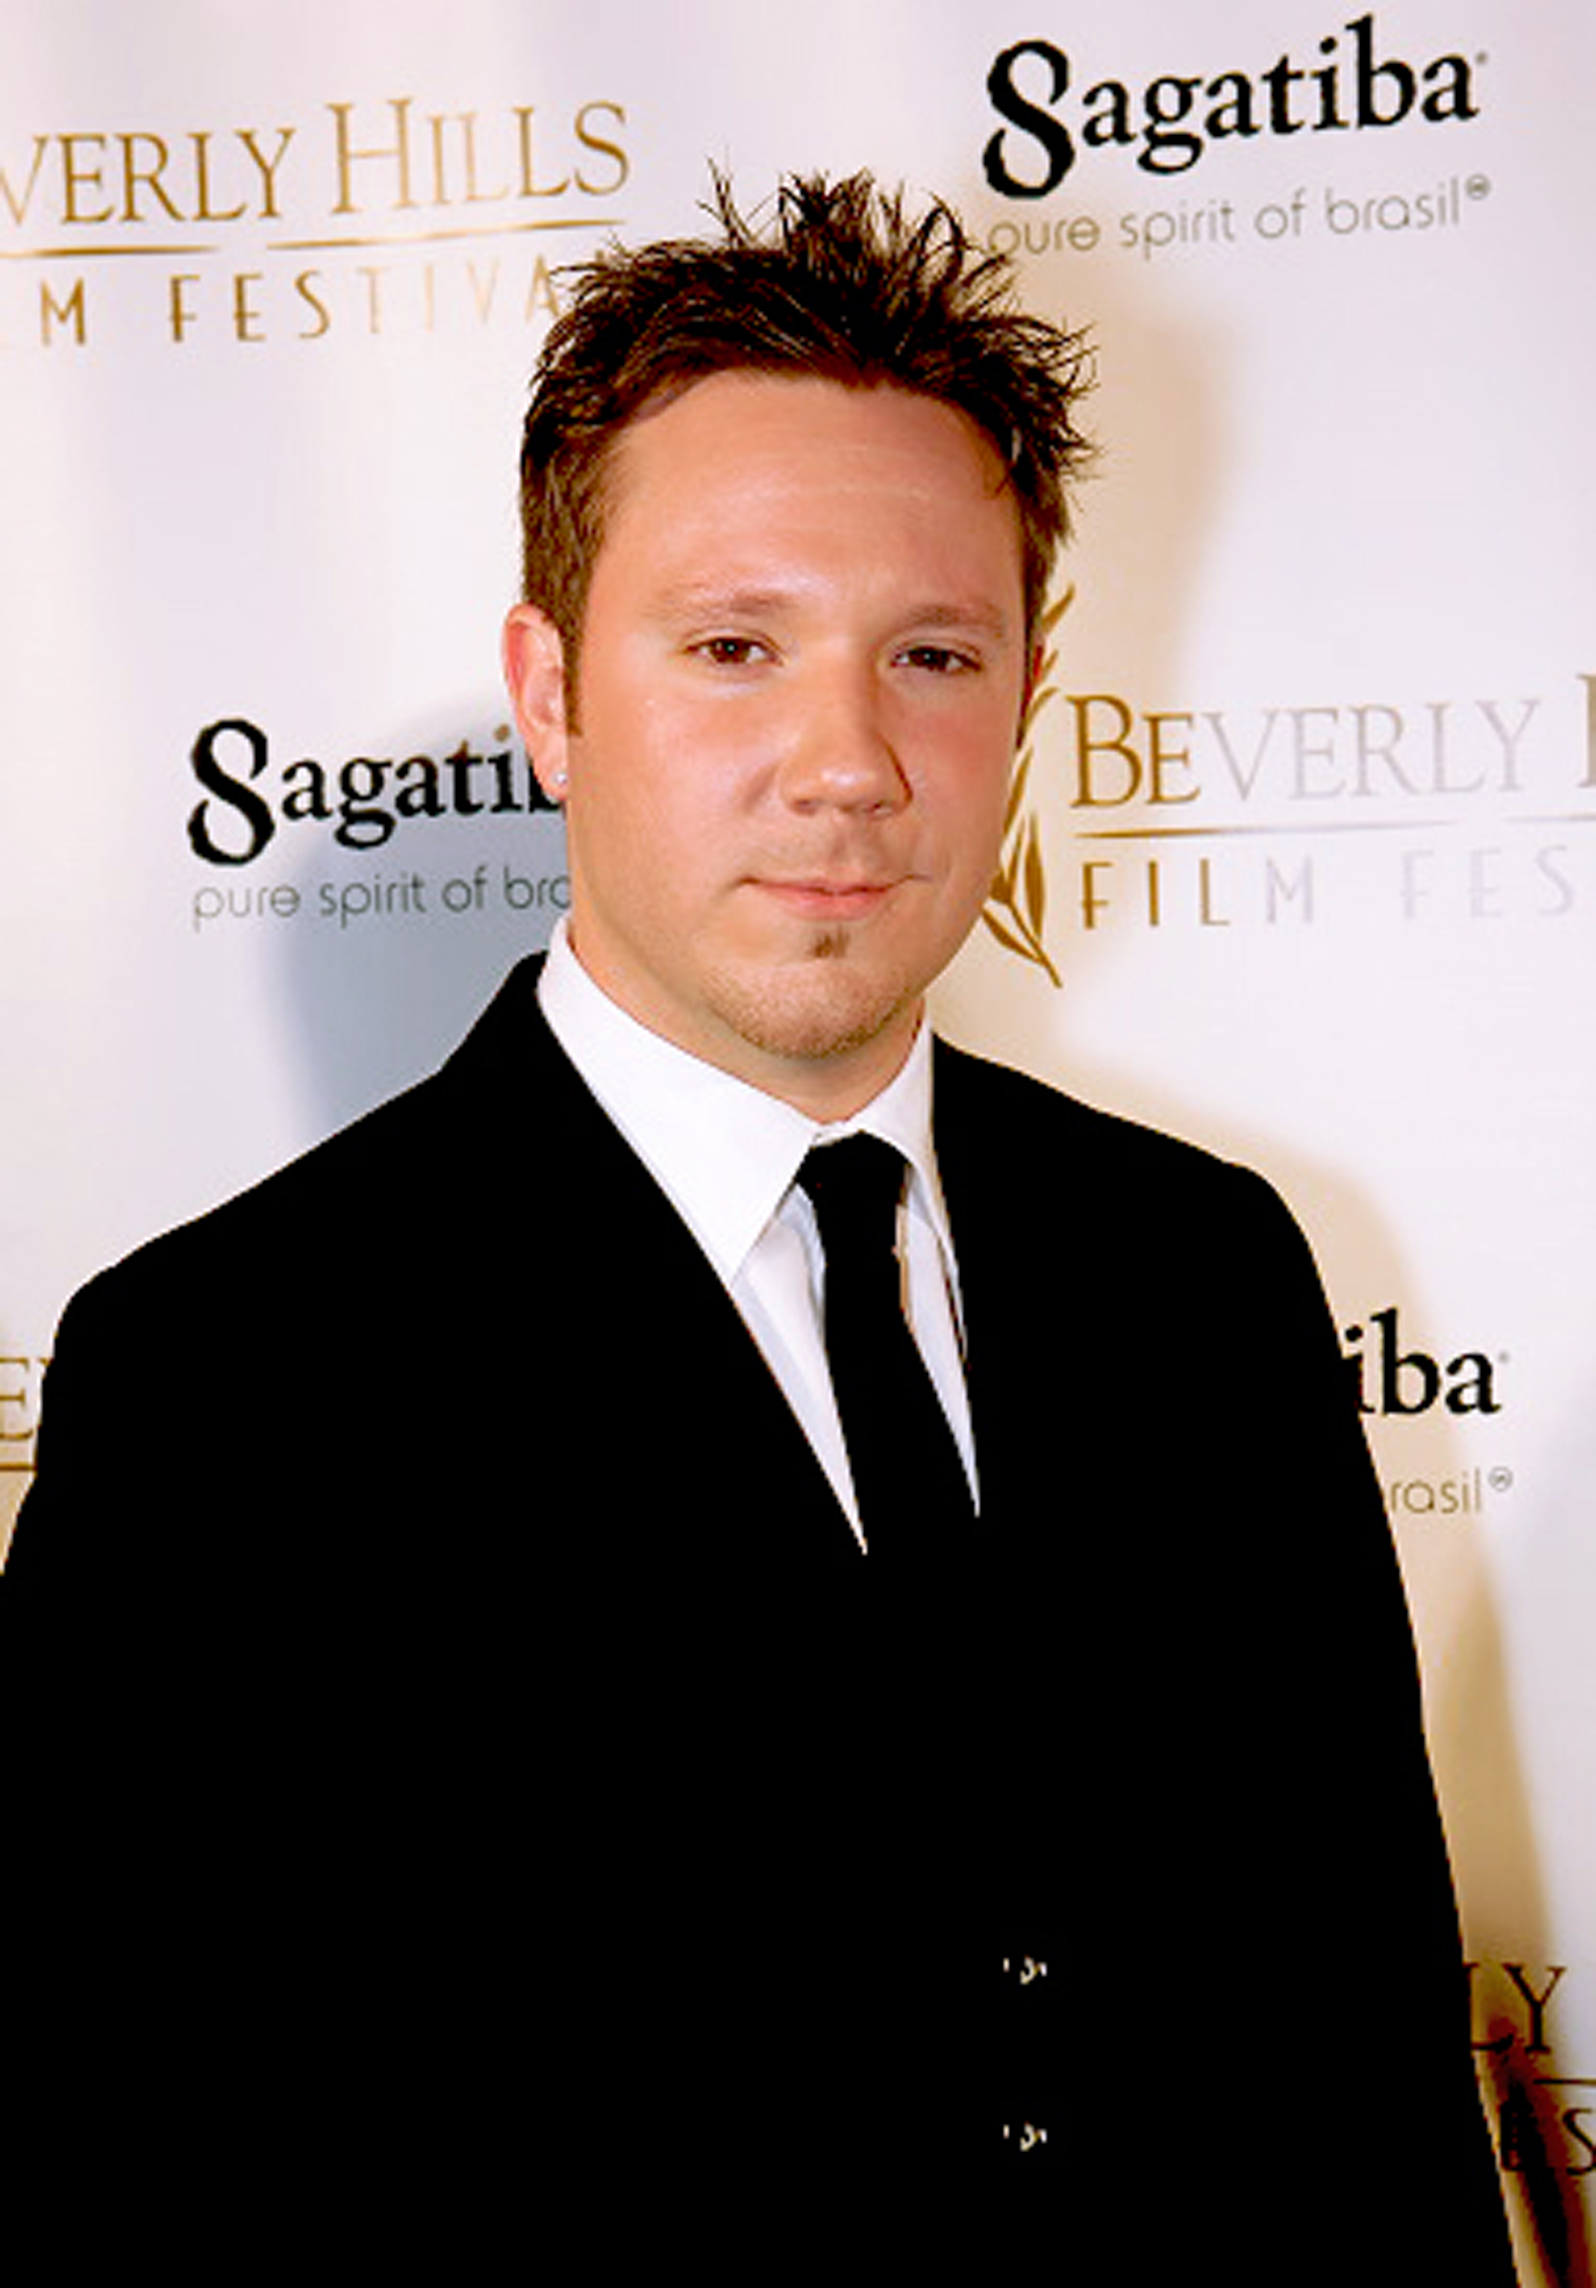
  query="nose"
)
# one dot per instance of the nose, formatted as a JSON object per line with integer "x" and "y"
{"x": 841, "y": 754}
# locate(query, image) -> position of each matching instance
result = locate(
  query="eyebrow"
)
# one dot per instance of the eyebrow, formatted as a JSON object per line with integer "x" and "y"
{"x": 977, "y": 616}
{"x": 702, "y": 598}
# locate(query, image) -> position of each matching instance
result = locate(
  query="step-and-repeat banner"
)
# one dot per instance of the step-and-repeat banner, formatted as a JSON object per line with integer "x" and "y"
{"x": 1304, "y": 864}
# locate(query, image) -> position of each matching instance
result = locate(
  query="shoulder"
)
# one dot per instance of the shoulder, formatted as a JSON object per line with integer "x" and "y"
{"x": 991, "y": 1115}
{"x": 409, "y": 1173}
{"x": 339, "y": 1295}
{"x": 1049, "y": 1194}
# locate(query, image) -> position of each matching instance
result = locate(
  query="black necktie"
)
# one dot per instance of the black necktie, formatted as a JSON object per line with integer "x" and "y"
{"x": 908, "y": 1477}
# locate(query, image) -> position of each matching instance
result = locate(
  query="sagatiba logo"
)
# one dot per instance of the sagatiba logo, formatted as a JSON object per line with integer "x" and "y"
{"x": 417, "y": 216}
{"x": 1171, "y": 120}
{"x": 1397, "y": 1381}
{"x": 358, "y": 805}
{"x": 362, "y": 801}
{"x": 1391, "y": 1380}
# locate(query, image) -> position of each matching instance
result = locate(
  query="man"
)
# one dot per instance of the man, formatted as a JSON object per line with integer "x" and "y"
{"x": 547, "y": 1414}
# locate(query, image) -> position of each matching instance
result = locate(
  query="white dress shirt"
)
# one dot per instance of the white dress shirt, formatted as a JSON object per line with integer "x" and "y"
{"x": 727, "y": 1156}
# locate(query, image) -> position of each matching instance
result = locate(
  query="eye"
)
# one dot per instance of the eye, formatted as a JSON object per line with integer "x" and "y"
{"x": 730, "y": 651}
{"x": 939, "y": 659}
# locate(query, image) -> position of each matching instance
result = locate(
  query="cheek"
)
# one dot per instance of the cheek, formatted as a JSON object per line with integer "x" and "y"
{"x": 980, "y": 777}
{"x": 659, "y": 762}
{"x": 653, "y": 829}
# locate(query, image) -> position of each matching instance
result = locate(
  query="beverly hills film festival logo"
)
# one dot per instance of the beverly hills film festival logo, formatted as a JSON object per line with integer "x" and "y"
{"x": 399, "y": 216}
{"x": 1298, "y": 814}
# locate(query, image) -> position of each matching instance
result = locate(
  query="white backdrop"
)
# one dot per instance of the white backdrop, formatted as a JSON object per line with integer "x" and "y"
{"x": 1309, "y": 831}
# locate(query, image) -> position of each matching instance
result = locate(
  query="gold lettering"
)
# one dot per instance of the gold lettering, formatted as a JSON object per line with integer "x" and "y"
{"x": 542, "y": 294}
{"x": 1207, "y": 916}
{"x": 305, "y": 285}
{"x": 76, "y": 175}
{"x": 182, "y": 317}
{"x": 150, "y": 177}
{"x": 474, "y": 196}
{"x": 1160, "y": 757}
{"x": 19, "y": 1406}
{"x": 348, "y": 154}
{"x": 598, "y": 143}
{"x": 482, "y": 294}
{"x": 466, "y": 121}
{"x": 19, "y": 207}
{"x": 1118, "y": 742}
{"x": 203, "y": 210}
{"x": 268, "y": 167}
{"x": 438, "y": 122}
{"x": 373, "y": 275}
{"x": 531, "y": 188}
{"x": 52, "y": 312}
{"x": 245, "y": 315}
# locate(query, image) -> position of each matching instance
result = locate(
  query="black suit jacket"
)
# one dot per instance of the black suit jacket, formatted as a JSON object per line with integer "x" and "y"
{"x": 491, "y": 1594}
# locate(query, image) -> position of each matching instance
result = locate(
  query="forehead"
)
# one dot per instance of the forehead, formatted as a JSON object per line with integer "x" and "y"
{"x": 759, "y": 453}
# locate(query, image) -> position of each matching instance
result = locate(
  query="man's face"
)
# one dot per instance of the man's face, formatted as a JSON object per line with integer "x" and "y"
{"x": 802, "y": 670}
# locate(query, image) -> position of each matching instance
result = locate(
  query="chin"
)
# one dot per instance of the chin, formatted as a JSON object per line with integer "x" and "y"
{"x": 822, "y": 1008}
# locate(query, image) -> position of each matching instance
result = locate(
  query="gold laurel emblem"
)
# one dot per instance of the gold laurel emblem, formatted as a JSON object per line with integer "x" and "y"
{"x": 1016, "y": 904}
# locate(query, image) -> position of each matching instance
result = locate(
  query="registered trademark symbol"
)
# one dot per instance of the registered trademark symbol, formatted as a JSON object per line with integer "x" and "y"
{"x": 1500, "y": 1480}
{"x": 1477, "y": 187}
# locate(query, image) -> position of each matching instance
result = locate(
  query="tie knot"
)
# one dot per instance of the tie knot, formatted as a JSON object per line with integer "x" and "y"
{"x": 855, "y": 1187}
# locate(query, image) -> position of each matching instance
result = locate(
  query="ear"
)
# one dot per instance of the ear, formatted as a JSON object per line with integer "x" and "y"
{"x": 534, "y": 673}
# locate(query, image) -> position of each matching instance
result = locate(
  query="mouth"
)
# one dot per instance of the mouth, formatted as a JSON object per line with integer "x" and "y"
{"x": 816, "y": 898}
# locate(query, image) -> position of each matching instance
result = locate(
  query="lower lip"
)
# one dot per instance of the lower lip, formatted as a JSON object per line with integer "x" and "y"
{"x": 814, "y": 902}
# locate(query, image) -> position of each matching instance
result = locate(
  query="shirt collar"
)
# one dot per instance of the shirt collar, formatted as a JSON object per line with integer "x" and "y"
{"x": 725, "y": 1152}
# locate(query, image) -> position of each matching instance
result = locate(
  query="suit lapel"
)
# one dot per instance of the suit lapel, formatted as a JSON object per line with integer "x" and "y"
{"x": 663, "y": 1400}
{"x": 1003, "y": 1277}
